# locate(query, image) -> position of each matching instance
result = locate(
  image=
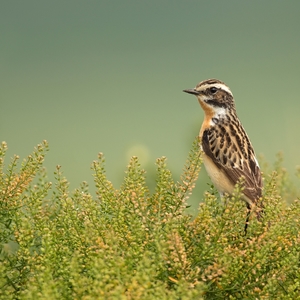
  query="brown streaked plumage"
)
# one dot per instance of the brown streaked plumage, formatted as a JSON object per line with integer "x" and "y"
{"x": 228, "y": 153}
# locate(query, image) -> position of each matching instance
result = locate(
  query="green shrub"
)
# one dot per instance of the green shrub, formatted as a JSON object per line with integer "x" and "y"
{"x": 131, "y": 244}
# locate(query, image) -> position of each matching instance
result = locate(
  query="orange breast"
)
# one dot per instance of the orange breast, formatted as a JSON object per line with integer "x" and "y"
{"x": 208, "y": 115}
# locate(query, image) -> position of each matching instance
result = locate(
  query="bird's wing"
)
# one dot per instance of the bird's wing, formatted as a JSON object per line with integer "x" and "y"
{"x": 230, "y": 149}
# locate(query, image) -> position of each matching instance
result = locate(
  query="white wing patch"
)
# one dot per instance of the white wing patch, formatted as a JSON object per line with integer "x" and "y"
{"x": 256, "y": 161}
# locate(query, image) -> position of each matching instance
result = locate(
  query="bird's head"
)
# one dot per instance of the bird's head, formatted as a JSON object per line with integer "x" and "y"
{"x": 213, "y": 94}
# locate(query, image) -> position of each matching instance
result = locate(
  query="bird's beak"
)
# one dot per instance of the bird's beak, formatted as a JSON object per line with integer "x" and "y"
{"x": 191, "y": 91}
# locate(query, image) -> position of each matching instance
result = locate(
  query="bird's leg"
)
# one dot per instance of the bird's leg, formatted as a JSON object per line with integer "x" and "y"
{"x": 247, "y": 218}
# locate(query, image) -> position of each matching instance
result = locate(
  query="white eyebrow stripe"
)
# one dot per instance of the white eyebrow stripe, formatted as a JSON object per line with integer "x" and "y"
{"x": 217, "y": 85}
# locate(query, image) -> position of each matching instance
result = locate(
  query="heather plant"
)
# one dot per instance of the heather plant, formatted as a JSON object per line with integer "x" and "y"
{"x": 129, "y": 243}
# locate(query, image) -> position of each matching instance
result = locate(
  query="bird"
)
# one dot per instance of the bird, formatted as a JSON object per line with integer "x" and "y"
{"x": 228, "y": 154}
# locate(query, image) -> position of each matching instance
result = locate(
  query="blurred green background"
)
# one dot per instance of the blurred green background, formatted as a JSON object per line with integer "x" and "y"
{"x": 107, "y": 76}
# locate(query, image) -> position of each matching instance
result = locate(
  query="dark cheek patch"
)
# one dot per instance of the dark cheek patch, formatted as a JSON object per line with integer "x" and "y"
{"x": 216, "y": 103}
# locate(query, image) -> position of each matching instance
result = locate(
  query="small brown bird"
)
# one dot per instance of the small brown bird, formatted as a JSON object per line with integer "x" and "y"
{"x": 228, "y": 154}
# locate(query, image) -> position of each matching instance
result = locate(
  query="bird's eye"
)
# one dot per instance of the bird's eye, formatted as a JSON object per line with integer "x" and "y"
{"x": 213, "y": 90}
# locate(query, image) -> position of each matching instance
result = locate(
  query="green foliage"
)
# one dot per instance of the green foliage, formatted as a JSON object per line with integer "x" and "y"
{"x": 131, "y": 244}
